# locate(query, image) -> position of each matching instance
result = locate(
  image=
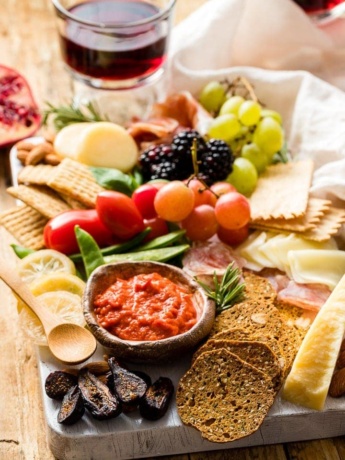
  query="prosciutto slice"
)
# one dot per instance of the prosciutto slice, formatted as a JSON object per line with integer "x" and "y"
{"x": 205, "y": 259}
{"x": 184, "y": 108}
{"x": 154, "y": 130}
{"x": 307, "y": 296}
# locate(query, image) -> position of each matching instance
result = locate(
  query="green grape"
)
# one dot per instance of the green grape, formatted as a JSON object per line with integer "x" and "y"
{"x": 224, "y": 127}
{"x": 269, "y": 136}
{"x": 256, "y": 156}
{"x": 249, "y": 113}
{"x": 231, "y": 105}
{"x": 212, "y": 96}
{"x": 273, "y": 114}
{"x": 244, "y": 176}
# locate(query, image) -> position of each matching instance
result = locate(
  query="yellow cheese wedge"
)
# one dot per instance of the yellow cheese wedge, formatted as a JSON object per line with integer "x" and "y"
{"x": 68, "y": 138}
{"x": 108, "y": 145}
{"x": 317, "y": 266}
{"x": 308, "y": 382}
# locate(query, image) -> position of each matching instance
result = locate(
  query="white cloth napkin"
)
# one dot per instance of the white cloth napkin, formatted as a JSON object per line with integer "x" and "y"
{"x": 293, "y": 64}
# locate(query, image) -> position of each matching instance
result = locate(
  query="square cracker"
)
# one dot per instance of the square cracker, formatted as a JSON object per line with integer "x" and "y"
{"x": 282, "y": 191}
{"x": 26, "y": 225}
{"x": 75, "y": 180}
{"x": 43, "y": 199}
{"x": 37, "y": 175}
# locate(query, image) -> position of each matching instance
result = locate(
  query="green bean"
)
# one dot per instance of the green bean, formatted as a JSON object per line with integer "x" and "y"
{"x": 117, "y": 248}
{"x": 89, "y": 249}
{"x": 155, "y": 255}
{"x": 21, "y": 251}
{"x": 161, "y": 241}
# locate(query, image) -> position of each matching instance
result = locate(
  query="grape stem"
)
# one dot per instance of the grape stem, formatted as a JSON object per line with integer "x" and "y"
{"x": 232, "y": 87}
{"x": 194, "y": 152}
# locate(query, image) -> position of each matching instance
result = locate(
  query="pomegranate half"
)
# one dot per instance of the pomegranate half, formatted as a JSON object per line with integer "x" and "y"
{"x": 19, "y": 114}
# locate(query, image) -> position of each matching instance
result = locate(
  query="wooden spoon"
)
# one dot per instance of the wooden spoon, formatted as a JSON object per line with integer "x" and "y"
{"x": 70, "y": 343}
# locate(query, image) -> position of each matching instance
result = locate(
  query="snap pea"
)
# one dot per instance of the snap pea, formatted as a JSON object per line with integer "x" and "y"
{"x": 161, "y": 241}
{"x": 89, "y": 249}
{"x": 117, "y": 248}
{"x": 21, "y": 251}
{"x": 154, "y": 255}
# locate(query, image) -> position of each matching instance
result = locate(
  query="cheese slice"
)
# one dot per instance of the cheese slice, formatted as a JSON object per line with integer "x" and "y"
{"x": 317, "y": 266}
{"x": 311, "y": 373}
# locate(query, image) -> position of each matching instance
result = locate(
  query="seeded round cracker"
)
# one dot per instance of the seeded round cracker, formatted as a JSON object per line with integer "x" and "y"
{"x": 243, "y": 335}
{"x": 258, "y": 288}
{"x": 258, "y": 354}
{"x": 257, "y": 318}
{"x": 223, "y": 397}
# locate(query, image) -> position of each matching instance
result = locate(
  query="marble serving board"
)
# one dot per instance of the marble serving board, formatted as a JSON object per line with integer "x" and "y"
{"x": 131, "y": 437}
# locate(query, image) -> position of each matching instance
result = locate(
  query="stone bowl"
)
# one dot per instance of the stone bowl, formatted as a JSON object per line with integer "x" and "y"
{"x": 155, "y": 351}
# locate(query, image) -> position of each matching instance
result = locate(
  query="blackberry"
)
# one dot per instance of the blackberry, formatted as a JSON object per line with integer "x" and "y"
{"x": 215, "y": 163}
{"x": 161, "y": 162}
{"x": 182, "y": 147}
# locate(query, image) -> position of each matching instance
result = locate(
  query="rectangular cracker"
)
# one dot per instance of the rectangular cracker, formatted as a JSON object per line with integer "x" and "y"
{"x": 315, "y": 210}
{"x": 41, "y": 198}
{"x": 36, "y": 175}
{"x": 282, "y": 191}
{"x": 26, "y": 225}
{"x": 76, "y": 181}
{"x": 328, "y": 226}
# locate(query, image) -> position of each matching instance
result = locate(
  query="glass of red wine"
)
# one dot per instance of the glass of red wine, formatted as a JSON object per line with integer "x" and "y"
{"x": 114, "y": 44}
{"x": 322, "y": 10}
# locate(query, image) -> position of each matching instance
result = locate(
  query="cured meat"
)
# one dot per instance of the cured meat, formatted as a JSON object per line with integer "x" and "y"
{"x": 306, "y": 296}
{"x": 153, "y": 130}
{"x": 184, "y": 108}
{"x": 205, "y": 259}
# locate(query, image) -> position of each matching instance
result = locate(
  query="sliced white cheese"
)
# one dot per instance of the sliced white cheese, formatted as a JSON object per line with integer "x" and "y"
{"x": 108, "y": 145}
{"x": 311, "y": 373}
{"x": 68, "y": 139}
{"x": 249, "y": 251}
{"x": 278, "y": 248}
{"x": 317, "y": 266}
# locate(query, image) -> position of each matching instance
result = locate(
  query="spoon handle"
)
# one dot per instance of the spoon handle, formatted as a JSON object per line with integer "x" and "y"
{"x": 48, "y": 319}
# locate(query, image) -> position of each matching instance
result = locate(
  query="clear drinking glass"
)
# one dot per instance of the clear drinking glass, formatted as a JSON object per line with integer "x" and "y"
{"x": 114, "y": 44}
{"x": 322, "y": 10}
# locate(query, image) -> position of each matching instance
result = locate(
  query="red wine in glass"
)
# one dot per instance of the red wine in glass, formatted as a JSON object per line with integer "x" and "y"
{"x": 315, "y": 6}
{"x": 132, "y": 52}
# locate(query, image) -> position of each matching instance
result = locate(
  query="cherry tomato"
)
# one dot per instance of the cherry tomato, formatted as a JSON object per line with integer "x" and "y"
{"x": 158, "y": 226}
{"x": 59, "y": 231}
{"x": 233, "y": 237}
{"x": 119, "y": 213}
{"x": 143, "y": 198}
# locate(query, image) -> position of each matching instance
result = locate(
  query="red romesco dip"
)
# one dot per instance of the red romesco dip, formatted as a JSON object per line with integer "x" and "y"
{"x": 145, "y": 307}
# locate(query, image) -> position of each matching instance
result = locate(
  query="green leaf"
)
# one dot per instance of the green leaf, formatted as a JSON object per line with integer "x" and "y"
{"x": 114, "y": 179}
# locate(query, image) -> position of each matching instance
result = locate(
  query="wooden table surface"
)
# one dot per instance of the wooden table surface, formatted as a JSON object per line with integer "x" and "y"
{"x": 28, "y": 42}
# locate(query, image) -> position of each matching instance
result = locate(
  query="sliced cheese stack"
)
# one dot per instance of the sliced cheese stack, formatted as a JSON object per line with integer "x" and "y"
{"x": 308, "y": 382}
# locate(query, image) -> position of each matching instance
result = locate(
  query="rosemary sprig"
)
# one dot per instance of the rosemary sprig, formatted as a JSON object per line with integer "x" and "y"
{"x": 226, "y": 292}
{"x": 65, "y": 115}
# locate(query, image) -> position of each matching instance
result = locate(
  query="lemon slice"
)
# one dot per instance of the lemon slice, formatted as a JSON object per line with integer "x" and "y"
{"x": 44, "y": 262}
{"x": 55, "y": 282}
{"x": 62, "y": 303}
